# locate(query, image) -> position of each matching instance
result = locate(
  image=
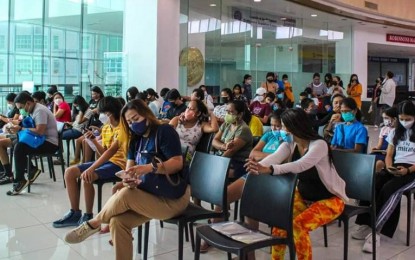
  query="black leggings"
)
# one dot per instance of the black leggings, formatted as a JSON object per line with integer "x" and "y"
{"x": 21, "y": 150}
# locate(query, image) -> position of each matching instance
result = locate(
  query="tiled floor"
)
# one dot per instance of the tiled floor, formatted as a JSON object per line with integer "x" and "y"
{"x": 26, "y": 231}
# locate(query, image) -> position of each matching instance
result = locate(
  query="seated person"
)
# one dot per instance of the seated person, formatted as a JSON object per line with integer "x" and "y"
{"x": 308, "y": 105}
{"x": 390, "y": 119}
{"x": 320, "y": 195}
{"x": 153, "y": 107}
{"x": 335, "y": 119}
{"x": 61, "y": 109}
{"x": 137, "y": 204}
{"x": 255, "y": 124}
{"x": 45, "y": 125}
{"x": 238, "y": 95}
{"x": 352, "y": 135}
{"x": 234, "y": 139}
{"x": 39, "y": 97}
{"x": 392, "y": 182}
{"x": 178, "y": 106}
{"x": 198, "y": 94}
{"x": 12, "y": 111}
{"x": 259, "y": 107}
{"x": 84, "y": 113}
{"x": 192, "y": 123}
{"x": 302, "y": 96}
{"x": 113, "y": 152}
{"x": 166, "y": 105}
{"x": 219, "y": 111}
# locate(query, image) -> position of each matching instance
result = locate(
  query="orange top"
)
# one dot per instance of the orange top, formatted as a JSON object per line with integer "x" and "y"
{"x": 355, "y": 92}
{"x": 288, "y": 90}
{"x": 270, "y": 87}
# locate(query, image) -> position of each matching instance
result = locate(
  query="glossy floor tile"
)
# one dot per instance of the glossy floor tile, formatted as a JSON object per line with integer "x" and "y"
{"x": 26, "y": 231}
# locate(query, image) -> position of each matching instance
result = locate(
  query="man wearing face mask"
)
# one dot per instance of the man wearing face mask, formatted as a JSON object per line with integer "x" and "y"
{"x": 247, "y": 87}
{"x": 112, "y": 152}
{"x": 45, "y": 125}
{"x": 178, "y": 106}
{"x": 260, "y": 108}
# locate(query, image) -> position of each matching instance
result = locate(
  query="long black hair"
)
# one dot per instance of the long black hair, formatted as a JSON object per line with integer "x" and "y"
{"x": 81, "y": 102}
{"x": 98, "y": 90}
{"x": 299, "y": 124}
{"x": 351, "y": 103}
{"x": 133, "y": 91}
{"x": 404, "y": 108}
{"x": 241, "y": 107}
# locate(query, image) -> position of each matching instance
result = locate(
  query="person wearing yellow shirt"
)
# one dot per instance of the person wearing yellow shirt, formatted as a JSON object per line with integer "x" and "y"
{"x": 354, "y": 90}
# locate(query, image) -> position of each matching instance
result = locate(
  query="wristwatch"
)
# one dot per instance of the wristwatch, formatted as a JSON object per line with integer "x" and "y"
{"x": 272, "y": 170}
{"x": 154, "y": 165}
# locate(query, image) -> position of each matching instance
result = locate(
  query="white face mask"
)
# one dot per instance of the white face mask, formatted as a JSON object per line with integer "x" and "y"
{"x": 103, "y": 118}
{"x": 407, "y": 124}
{"x": 260, "y": 98}
{"x": 58, "y": 101}
{"x": 10, "y": 106}
{"x": 387, "y": 122}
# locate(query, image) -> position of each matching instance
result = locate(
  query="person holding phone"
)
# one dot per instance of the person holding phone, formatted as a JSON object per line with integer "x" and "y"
{"x": 398, "y": 176}
{"x": 112, "y": 153}
{"x": 136, "y": 204}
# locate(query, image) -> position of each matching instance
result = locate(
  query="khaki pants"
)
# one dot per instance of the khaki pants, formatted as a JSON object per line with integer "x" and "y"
{"x": 130, "y": 208}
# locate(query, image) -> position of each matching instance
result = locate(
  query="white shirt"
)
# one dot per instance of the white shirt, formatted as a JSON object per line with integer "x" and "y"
{"x": 404, "y": 150}
{"x": 387, "y": 96}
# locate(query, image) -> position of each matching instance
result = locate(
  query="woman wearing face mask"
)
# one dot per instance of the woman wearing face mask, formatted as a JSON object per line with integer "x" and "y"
{"x": 335, "y": 117}
{"x": 390, "y": 119}
{"x": 50, "y": 92}
{"x": 131, "y": 207}
{"x": 234, "y": 138}
{"x": 352, "y": 135}
{"x": 310, "y": 158}
{"x": 354, "y": 90}
{"x": 238, "y": 95}
{"x": 398, "y": 176}
{"x": 12, "y": 111}
{"x": 247, "y": 87}
{"x": 260, "y": 107}
{"x": 192, "y": 123}
{"x": 61, "y": 109}
{"x": 219, "y": 111}
{"x": 131, "y": 93}
{"x": 96, "y": 96}
{"x": 270, "y": 85}
{"x": 112, "y": 153}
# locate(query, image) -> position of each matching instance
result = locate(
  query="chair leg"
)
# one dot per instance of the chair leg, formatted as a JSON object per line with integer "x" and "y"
{"x": 63, "y": 170}
{"x": 373, "y": 223}
{"x": 180, "y": 245}
{"x": 186, "y": 232}
{"x": 51, "y": 168}
{"x": 146, "y": 235}
{"x": 99, "y": 197}
{"x": 291, "y": 248}
{"x": 235, "y": 212}
{"x": 29, "y": 163}
{"x": 408, "y": 223}
{"x": 192, "y": 236}
{"x": 68, "y": 145}
{"x": 346, "y": 239}
{"x": 41, "y": 164}
{"x": 197, "y": 246}
{"x": 161, "y": 224}
{"x": 325, "y": 235}
{"x": 139, "y": 236}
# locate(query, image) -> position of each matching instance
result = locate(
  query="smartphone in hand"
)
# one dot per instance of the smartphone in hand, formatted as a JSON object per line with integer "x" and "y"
{"x": 123, "y": 175}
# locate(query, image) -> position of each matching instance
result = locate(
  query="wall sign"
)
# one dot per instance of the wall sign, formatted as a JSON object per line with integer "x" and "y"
{"x": 400, "y": 38}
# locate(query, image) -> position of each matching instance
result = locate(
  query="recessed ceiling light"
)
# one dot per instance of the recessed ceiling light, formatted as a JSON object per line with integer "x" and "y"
{"x": 313, "y": 15}
{"x": 283, "y": 19}
{"x": 212, "y": 5}
{"x": 257, "y": 1}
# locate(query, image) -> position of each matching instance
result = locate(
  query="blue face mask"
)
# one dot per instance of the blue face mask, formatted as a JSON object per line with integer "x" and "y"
{"x": 276, "y": 133}
{"x": 280, "y": 96}
{"x": 348, "y": 116}
{"x": 275, "y": 107}
{"x": 286, "y": 137}
{"x": 139, "y": 128}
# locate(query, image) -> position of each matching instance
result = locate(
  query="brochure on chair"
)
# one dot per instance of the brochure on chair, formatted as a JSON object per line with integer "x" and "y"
{"x": 238, "y": 232}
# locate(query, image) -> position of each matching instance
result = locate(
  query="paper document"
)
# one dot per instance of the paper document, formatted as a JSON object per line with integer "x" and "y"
{"x": 239, "y": 233}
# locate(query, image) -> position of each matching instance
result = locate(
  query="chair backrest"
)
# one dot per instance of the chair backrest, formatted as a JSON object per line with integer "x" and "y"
{"x": 205, "y": 143}
{"x": 269, "y": 199}
{"x": 208, "y": 178}
{"x": 358, "y": 171}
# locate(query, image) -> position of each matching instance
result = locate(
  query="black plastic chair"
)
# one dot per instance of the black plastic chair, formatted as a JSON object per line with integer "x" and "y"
{"x": 58, "y": 153}
{"x": 409, "y": 194}
{"x": 68, "y": 151}
{"x": 267, "y": 199}
{"x": 208, "y": 182}
{"x": 205, "y": 143}
{"x": 358, "y": 171}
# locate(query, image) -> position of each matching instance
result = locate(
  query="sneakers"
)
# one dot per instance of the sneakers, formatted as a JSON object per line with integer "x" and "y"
{"x": 6, "y": 180}
{"x": 18, "y": 187}
{"x": 361, "y": 232}
{"x": 80, "y": 233}
{"x": 71, "y": 218}
{"x": 74, "y": 162}
{"x": 34, "y": 173}
{"x": 368, "y": 246}
{"x": 85, "y": 217}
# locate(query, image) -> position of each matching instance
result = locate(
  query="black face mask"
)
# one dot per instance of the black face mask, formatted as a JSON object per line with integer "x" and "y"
{"x": 270, "y": 80}
{"x": 49, "y": 99}
{"x": 225, "y": 100}
{"x": 377, "y": 81}
{"x": 334, "y": 83}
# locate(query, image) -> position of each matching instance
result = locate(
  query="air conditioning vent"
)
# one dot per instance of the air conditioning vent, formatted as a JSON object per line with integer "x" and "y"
{"x": 371, "y": 5}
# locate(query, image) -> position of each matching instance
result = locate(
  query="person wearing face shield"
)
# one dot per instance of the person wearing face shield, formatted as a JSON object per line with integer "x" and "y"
{"x": 397, "y": 177}
{"x": 259, "y": 107}
{"x": 111, "y": 152}
{"x": 154, "y": 154}
{"x": 320, "y": 195}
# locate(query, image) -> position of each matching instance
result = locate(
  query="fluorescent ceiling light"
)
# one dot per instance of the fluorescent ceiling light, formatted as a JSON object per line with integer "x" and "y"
{"x": 212, "y": 5}
{"x": 313, "y": 15}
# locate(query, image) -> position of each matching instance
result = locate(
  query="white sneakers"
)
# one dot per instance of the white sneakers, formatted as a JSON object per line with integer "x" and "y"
{"x": 367, "y": 246}
{"x": 364, "y": 232}
{"x": 361, "y": 232}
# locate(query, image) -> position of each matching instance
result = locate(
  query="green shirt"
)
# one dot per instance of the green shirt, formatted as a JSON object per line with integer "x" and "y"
{"x": 241, "y": 131}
